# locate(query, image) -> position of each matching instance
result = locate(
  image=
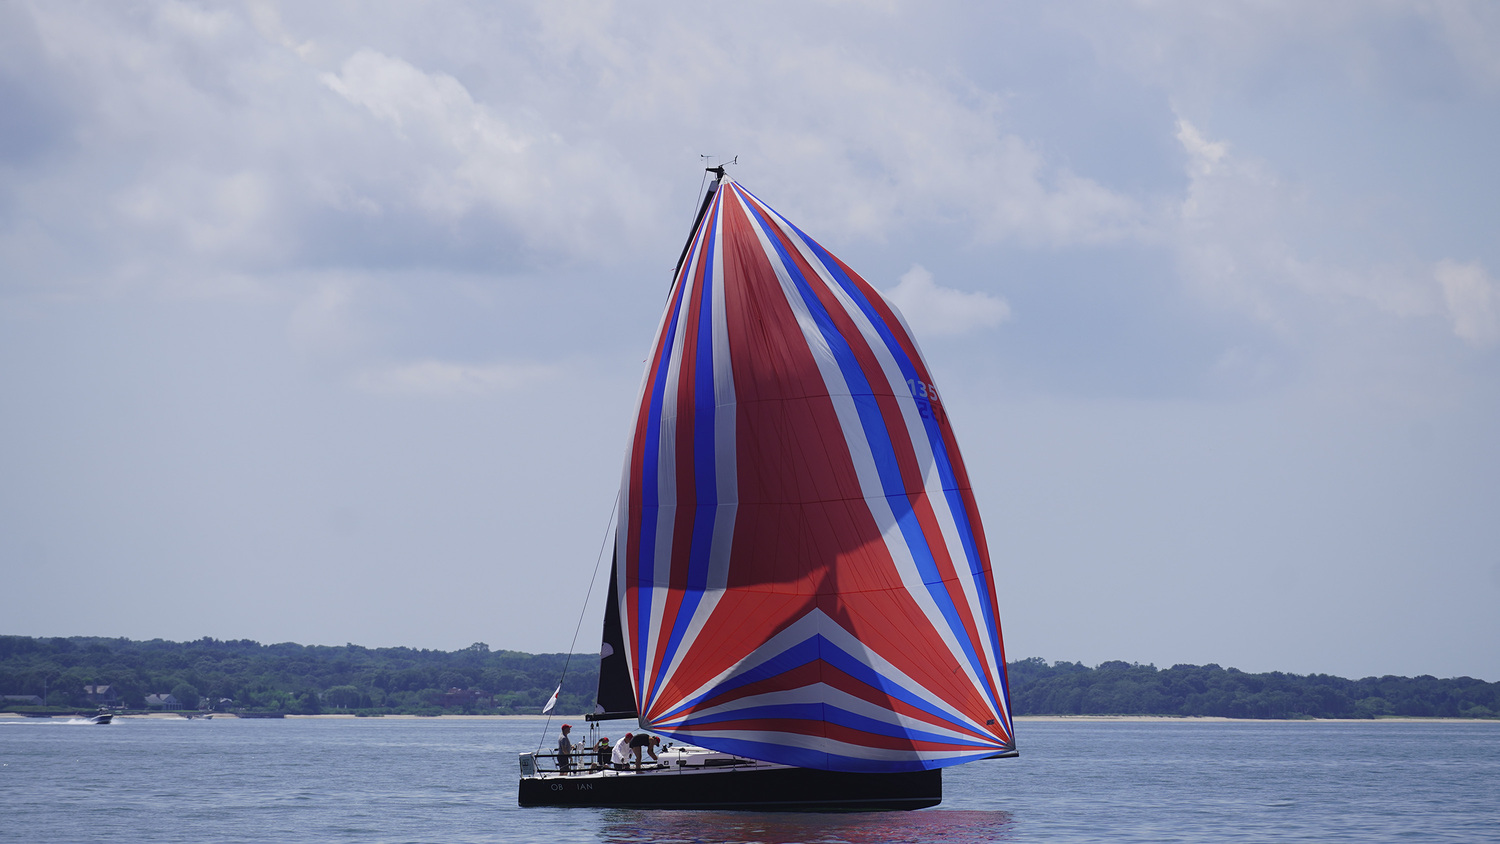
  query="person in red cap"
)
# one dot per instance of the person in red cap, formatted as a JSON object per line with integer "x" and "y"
{"x": 565, "y": 750}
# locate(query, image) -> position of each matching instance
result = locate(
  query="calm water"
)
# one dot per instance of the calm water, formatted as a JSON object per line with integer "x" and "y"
{"x": 379, "y": 780}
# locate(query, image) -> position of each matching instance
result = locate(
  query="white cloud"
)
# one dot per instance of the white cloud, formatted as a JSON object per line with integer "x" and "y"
{"x": 900, "y": 148}
{"x": 1473, "y": 300}
{"x": 203, "y": 143}
{"x": 471, "y": 155}
{"x": 852, "y": 142}
{"x": 1203, "y": 155}
{"x": 931, "y": 310}
{"x": 454, "y": 158}
{"x": 1248, "y": 240}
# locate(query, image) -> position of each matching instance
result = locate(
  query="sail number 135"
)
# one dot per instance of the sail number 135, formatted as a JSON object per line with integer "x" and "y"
{"x": 927, "y": 398}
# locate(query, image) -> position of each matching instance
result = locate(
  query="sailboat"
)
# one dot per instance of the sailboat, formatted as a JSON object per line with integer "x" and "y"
{"x": 801, "y": 600}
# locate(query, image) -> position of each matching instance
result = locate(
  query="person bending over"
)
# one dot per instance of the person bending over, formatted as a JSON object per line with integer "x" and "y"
{"x": 644, "y": 742}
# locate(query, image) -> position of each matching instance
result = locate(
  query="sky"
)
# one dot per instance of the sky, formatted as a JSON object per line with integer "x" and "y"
{"x": 323, "y": 323}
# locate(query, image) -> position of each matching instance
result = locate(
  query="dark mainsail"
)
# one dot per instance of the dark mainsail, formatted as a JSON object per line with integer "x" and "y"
{"x": 615, "y": 697}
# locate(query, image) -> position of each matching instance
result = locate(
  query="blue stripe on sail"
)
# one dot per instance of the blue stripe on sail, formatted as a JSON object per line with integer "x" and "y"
{"x": 820, "y": 713}
{"x": 789, "y": 711}
{"x": 802, "y": 757}
{"x": 939, "y": 451}
{"x": 982, "y": 586}
{"x": 877, "y": 436}
{"x": 705, "y": 478}
{"x": 795, "y": 656}
{"x": 817, "y": 647}
{"x": 651, "y": 493}
{"x": 866, "y": 673}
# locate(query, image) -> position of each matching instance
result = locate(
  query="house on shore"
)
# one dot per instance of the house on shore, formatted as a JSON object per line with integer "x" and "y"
{"x": 467, "y": 697}
{"x": 102, "y": 695}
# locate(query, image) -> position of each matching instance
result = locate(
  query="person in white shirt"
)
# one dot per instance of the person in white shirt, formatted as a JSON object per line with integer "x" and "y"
{"x": 621, "y": 755}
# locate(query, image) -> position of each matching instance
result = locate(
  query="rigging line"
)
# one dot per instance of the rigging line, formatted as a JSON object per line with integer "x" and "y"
{"x": 614, "y": 511}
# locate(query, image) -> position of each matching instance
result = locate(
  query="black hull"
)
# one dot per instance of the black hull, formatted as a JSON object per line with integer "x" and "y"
{"x": 763, "y": 790}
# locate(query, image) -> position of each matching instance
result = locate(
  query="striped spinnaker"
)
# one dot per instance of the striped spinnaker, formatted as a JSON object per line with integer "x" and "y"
{"x": 804, "y": 578}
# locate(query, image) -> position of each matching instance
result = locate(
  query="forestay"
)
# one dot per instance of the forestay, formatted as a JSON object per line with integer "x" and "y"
{"x": 803, "y": 578}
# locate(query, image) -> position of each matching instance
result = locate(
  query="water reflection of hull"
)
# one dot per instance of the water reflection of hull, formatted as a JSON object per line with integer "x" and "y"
{"x": 762, "y": 788}
{"x": 624, "y": 826}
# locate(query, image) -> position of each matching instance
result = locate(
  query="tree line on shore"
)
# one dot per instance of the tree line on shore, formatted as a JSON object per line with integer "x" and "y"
{"x": 246, "y": 676}
{"x": 1121, "y": 688}
{"x": 243, "y": 675}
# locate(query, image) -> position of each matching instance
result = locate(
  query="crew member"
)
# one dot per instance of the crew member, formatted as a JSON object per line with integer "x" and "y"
{"x": 648, "y": 743}
{"x": 565, "y": 750}
{"x": 621, "y": 755}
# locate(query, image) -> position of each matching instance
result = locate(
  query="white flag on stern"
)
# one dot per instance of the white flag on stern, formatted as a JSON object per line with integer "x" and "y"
{"x": 551, "y": 701}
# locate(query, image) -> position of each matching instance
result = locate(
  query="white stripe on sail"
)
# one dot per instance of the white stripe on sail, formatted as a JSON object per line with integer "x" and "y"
{"x": 823, "y": 744}
{"x": 823, "y": 693}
